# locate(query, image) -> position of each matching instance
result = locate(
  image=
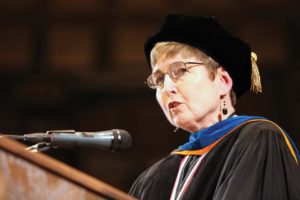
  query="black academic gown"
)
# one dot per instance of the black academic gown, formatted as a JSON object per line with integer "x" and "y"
{"x": 254, "y": 162}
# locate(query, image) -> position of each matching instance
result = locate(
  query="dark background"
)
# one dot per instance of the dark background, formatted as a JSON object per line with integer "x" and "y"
{"x": 79, "y": 64}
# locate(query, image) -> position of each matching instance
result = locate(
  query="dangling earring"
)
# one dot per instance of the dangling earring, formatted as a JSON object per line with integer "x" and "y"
{"x": 224, "y": 109}
{"x": 220, "y": 113}
{"x": 176, "y": 129}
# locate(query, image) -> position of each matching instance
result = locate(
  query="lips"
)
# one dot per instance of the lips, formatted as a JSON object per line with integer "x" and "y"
{"x": 173, "y": 104}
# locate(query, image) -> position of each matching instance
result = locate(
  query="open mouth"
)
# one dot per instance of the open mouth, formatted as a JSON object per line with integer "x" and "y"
{"x": 173, "y": 104}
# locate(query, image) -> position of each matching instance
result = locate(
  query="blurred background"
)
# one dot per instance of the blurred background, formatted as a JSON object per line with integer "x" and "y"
{"x": 79, "y": 64}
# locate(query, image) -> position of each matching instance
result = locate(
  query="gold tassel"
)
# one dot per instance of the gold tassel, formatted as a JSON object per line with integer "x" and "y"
{"x": 255, "y": 77}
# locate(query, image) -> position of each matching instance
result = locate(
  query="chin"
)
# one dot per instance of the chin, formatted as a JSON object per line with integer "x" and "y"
{"x": 183, "y": 123}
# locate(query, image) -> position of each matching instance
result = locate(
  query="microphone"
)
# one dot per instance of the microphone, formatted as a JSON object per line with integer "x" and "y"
{"x": 113, "y": 140}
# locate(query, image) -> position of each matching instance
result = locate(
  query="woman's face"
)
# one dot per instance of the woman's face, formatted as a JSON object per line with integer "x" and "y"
{"x": 193, "y": 101}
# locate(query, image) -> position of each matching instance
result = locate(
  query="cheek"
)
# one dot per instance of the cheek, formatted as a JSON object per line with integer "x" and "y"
{"x": 199, "y": 95}
{"x": 161, "y": 99}
{"x": 158, "y": 97}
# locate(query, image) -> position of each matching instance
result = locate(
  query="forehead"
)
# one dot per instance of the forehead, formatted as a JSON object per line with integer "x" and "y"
{"x": 162, "y": 63}
{"x": 165, "y": 53}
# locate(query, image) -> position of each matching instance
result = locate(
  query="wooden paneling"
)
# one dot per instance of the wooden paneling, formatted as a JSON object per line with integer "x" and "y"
{"x": 70, "y": 47}
{"x": 15, "y": 47}
{"x": 268, "y": 39}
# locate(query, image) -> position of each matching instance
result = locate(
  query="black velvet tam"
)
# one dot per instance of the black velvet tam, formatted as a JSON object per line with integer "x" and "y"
{"x": 207, "y": 35}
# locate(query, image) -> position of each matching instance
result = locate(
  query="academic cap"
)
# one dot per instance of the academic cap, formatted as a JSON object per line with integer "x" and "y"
{"x": 207, "y": 35}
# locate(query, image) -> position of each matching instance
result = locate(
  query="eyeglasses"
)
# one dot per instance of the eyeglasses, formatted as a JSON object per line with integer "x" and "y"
{"x": 175, "y": 71}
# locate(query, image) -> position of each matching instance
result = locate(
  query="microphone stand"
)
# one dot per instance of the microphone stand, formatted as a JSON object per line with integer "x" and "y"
{"x": 38, "y": 147}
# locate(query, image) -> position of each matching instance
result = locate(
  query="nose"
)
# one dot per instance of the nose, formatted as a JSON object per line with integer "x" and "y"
{"x": 169, "y": 86}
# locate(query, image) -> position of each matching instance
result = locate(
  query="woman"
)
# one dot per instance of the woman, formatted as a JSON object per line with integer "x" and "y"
{"x": 198, "y": 71}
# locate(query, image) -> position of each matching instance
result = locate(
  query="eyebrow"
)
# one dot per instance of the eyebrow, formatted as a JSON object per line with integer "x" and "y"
{"x": 157, "y": 70}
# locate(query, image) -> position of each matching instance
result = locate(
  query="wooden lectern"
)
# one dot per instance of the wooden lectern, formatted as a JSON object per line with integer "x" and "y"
{"x": 29, "y": 176}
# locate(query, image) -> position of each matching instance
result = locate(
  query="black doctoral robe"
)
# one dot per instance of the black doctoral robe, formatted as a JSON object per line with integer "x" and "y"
{"x": 253, "y": 162}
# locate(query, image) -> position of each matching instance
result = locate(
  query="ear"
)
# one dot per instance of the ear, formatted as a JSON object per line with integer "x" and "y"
{"x": 224, "y": 81}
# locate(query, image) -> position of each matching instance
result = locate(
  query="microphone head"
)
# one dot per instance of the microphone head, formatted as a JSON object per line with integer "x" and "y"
{"x": 122, "y": 140}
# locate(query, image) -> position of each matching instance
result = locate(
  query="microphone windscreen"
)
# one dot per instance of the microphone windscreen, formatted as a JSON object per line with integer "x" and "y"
{"x": 122, "y": 140}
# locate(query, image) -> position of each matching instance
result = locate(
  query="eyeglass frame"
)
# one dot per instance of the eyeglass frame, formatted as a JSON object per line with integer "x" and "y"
{"x": 170, "y": 74}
